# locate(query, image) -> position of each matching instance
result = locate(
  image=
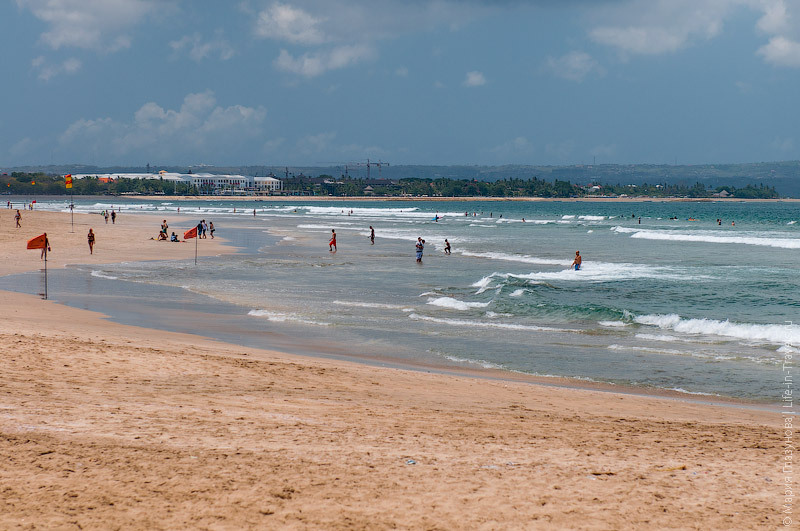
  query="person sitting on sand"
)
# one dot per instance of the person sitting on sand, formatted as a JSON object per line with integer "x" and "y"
{"x": 174, "y": 238}
{"x": 577, "y": 261}
{"x": 90, "y": 239}
{"x": 162, "y": 236}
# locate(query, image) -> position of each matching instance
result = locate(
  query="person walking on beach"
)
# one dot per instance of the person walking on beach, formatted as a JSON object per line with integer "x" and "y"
{"x": 211, "y": 229}
{"x": 577, "y": 261}
{"x": 371, "y": 235}
{"x": 113, "y": 217}
{"x": 17, "y": 218}
{"x": 105, "y": 215}
{"x": 205, "y": 228}
{"x": 446, "y": 246}
{"x": 90, "y": 238}
{"x": 332, "y": 242}
{"x": 420, "y": 247}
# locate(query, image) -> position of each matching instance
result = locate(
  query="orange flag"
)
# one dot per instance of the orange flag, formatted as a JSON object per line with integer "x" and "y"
{"x": 38, "y": 242}
{"x": 68, "y": 180}
{"x": 191, "y": 233}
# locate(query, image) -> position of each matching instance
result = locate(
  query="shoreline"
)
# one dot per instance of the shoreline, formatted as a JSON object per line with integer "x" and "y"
{"x": 222, "y": 246}
{"x": 104, "y": 422}
{"x": 280, "y": 198}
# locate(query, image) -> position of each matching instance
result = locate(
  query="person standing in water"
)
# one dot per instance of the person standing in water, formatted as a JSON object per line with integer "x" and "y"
{"x": 577, "y": 261}
{"x": 332, "y": 242}
{"x": 446, "y": 246}
{"x": 371, "y": 235}
{"x": 420, "y": 247}
{"x": 90, "y": 238}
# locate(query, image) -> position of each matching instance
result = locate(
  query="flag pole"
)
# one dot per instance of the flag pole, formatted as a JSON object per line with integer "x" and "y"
{"x": 72, "y": 209}
{"x": 45, "y": 269}
{"x": 195, "y": 248}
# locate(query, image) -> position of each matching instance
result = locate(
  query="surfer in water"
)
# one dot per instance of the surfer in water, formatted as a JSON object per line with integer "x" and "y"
{"x": 577, "y": 261}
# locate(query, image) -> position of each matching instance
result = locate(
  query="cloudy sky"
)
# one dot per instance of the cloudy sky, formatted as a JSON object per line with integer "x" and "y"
{"x": 407, "y": 81}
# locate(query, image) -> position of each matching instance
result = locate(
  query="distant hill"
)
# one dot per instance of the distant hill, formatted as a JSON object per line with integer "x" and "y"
{"x": 784, "y": 176}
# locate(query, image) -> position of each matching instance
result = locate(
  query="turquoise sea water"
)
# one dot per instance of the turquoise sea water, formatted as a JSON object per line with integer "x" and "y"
{"x": 675, "y": 300}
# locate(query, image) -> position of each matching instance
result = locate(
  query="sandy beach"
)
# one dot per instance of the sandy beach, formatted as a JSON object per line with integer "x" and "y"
{"x": 112, "y": 426}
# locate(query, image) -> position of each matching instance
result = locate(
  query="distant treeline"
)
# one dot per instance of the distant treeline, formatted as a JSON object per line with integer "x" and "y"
{"x": 22, "y": 183}
{"x": 532, "y": 187}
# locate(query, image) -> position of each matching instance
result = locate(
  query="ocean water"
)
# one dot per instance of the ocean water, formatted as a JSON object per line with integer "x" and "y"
{"x": 667, "y": 298}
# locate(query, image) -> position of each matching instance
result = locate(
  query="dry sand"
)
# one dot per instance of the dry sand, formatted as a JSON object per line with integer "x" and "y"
{"x": 105, "y": 426}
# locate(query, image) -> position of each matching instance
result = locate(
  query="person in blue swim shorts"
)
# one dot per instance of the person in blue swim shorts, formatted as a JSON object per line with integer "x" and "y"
{"x": 577, "y": 261}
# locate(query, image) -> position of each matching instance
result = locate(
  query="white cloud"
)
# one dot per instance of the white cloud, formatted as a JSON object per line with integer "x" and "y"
{"x": 99, "y": 25}
{"x": 284, "y": 22}
{"x": 781, "y": 22}
{"x": 198, "y": 49}
{"x": 574, "y": 66}
{"x": 781, "y": 51}
{"x": 783, "y": 144}
{"x": 514, "y": 148}
{"x": 474, "y": 79}
{"x": 651, "y": 27}
{"x": 401, "y": 72}
{"x": 47, "y": 70}
{"x": 199, "y": 127}
{"x": 315, "y": 64}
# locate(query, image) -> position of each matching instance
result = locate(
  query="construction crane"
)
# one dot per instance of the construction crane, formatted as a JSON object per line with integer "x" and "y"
{"x": 369, "y": 164}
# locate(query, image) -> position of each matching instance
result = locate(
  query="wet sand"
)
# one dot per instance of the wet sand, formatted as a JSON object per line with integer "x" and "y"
{"x": 110, "y": 426}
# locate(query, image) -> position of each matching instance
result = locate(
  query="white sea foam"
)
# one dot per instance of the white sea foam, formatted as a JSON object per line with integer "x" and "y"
{"x": 791, "y": 222}
{"x": 567, "y": 216}
{"x": 517, "y": 293}
{"x": 376, "y": 305}
{"x": 681, "y": 390}
{"x": 592, "y": 218}
{"x": 523, "y": 258}
{"x": 706, "y": 237}
{"x": 771, "y": 333}
{"x": 613, "y": 324}
{"x": 611, "y": 272}
{"x": 100, "y": 274}
{"x": 283, "y": 317}
{"x": 482, "y": 363}
{"x": 455, "y": 304}
{"x": 485, "y": 324}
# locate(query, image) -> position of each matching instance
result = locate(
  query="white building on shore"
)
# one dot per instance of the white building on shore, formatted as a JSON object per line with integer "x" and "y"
{"x": 205, "y": 183}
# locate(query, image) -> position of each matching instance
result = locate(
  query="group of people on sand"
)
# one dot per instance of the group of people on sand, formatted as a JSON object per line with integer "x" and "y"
{"x": 202, "y": 230}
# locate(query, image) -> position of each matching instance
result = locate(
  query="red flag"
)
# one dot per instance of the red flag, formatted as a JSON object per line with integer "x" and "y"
{"x": 38, "y": 242}
{"x": 191, "y": 233}
{"x": 68, "y": 180}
